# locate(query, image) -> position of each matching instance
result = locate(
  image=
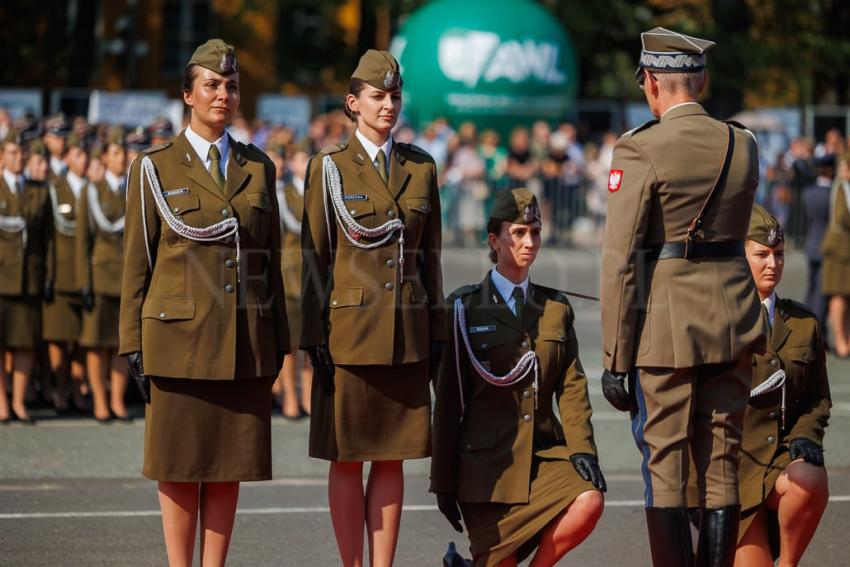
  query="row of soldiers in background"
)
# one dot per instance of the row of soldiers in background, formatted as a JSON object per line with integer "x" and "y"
{"x": 61, "y": 278}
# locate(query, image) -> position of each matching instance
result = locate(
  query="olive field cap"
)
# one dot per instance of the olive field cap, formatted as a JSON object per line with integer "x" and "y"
{"x": 217, "y": 56}
{"x": 764, "y": 228}
{"x": 518, "y": 206}
{"x": 379, "y": 69}
{"x": 37, "y": 146}
{"x": 663, "y": 50}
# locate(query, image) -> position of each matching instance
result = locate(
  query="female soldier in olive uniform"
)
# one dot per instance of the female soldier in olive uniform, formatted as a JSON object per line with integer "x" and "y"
{"x": 290, "y": 198}
{"x": 371, "y": 310}
{"x": 202, "y": 312}
{"x": 25, "y": 232}
{"x": 782, "y": 482}
{"x": 62, "y": 313}
{"x": 499, "y": 450}
{"x": 836, "y": 259}
{"x": 99, "y": 258}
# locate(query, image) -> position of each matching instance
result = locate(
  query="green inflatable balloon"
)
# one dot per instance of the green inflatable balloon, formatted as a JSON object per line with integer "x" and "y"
{"x": 498, "y": 63}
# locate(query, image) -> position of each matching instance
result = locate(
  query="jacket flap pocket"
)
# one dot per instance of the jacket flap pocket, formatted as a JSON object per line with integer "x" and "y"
{"x": 553, "y": 334}
{"x": 183, "y": 203}
{"x": 486, "y": 339}
{"x": 260, "y": 201}
{"x": 479, "y": 440}
{"x": 169, "y": 308}
{"x": 346, "y": 297}
{"x": 360, "y": 208}
{"x": 418, "y": 204}
{"x": 802, "y": 354}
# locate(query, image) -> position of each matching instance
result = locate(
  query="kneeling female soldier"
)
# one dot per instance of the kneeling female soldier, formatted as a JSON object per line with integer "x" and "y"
{"x": 783, "y": 484}
{"x": 499, "y": 450}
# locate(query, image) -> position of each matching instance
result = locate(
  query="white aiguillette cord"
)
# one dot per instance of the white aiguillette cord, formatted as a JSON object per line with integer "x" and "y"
{"x": 64, "y": 226}
{"x": 332, "y": 183}
{"x": 527, "y": 362}
{"x": 773, "y": 383}
{"x": 99, "y": 216}
{"x": 14, "y": 224}
{"x": 218, "y": 232}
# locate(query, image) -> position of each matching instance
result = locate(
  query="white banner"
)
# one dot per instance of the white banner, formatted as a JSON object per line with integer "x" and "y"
{"x": 291, "y": 111}
{"x": 133, "y": 108}
{"x": 20, "y": 101}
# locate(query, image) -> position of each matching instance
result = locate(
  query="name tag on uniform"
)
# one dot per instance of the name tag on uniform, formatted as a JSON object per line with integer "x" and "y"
{"x": 64, "y": 208}
{"x": 481, "y": 329}
{"x": 355, "y": 197}
{"x": 173, "y": 192}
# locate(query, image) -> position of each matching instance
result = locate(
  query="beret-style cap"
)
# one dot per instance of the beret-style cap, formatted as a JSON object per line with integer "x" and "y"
{"x": 379, "y": 69}
{"x": 664, "y": 50}
{"x": 217, "y": 56}
{"x": 764, "y": 228}
{"x": 518, "y": 206}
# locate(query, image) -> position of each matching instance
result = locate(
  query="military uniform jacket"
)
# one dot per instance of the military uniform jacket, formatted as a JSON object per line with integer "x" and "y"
{"x": 677, "y": 313}
{"x": 355, "y": 300}
{"x": 23, "y": 269}
{"x": 836, "y": 242}
{"x": 99, "y": 254}
{"x": 796, "y": 346}
{"x": 291, "y": 253}
{"x": 485, "y": 453}
{"x": 189, "y": 316}
{"x": 61, "y": 265}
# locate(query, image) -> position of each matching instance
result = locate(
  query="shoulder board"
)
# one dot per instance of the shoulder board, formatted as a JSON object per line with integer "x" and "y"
{"x": 156, "y": 148}
{"x": 414, "y": 148}
{"x": 466, "y": 290}
{"x": 640, "y": 128}
{"x": 333, "y": 148}
{"x": 793, "y": 306}
{"x": 737, "y": 124}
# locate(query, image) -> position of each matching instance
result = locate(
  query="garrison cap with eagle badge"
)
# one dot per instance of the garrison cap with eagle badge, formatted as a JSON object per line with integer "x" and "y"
{"x": 764, "y": 228}
{"x": 666, "y": 51}
{"x": 518, "y": 206}
{"x": 379, "y": 69}
{"x": 217, "y": 56}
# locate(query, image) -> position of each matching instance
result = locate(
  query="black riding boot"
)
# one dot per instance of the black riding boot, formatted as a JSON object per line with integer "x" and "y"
{"x": 718, "y": 536}
{"x": 669, "y": 537}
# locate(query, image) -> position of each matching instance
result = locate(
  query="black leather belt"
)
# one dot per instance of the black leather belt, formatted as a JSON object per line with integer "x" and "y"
{"x": 695, "y": 250}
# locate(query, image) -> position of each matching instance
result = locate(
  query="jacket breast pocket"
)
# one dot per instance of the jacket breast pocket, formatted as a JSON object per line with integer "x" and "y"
{"x": 797, "y": 363}
{"x": 259, "y": 217}
{"x": 187, "y": 208}
{"x": 361, "y": 211}
{"x": 416, "y": 211}
{"x": 551, "y": 345}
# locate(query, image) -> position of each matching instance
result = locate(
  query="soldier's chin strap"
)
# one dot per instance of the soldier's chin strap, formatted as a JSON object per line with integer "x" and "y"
{"x": 527, "y": 362}
{"x": 332, "y": 185}
{"x": 773, "y": 383}
{"x": 221, "y": 231}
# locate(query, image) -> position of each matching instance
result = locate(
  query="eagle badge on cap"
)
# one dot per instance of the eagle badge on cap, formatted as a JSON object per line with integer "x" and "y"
{"x": 774, "y": 235}
{"x": 615, "y": 179}
{"x": 391, "y": 79}
{"x": 531, "y": 213}
{"x": 228, "y": 61}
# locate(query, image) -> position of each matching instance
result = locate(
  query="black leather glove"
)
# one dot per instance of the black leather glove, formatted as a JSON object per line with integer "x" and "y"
{"x": 87, "y": 298}
{"x": 323, "y": 366}
{"x": 49, "y": 292}
{"x": 137, "y": 373}
{"x": 614, "y": 390}
{"x": 447, "y": 503}
{"x": 587, "y": 467}
{"x": 806, "y": 449}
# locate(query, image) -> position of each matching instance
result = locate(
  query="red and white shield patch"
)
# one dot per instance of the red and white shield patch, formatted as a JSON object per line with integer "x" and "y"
{"x": 615, "y": 179}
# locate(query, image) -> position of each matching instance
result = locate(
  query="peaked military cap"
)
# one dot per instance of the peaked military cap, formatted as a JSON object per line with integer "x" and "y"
{"x": 217, "y": 56}
{"x": 379, "y": 69}
{"x": 664, "y": 50}
{"x": 161, "y": 128}
{"x": 518, "y": 206}
{"x": 764, "y": 228}
{"x": 57, "y": 125}
{"x": 137, "y": 140}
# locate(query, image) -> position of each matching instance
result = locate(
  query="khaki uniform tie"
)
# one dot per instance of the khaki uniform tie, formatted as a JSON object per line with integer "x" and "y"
{"x": 214, "y": 155}
{"x": 766, "y": 318}
{"x": 382, "y": 166}
{"x": 519, "y": 306}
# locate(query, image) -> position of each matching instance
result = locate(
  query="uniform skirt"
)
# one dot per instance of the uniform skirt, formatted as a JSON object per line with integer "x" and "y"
{"x": 100, "y": 325}
{"x": 20, "y": 321}
{"x": 375, "y": 413}
{"x": 771, "y": 473}
{"x": 497, "y": 530}
{"x": 836, "y": 276}
{"x": 208, "y": 430}
{"x": 62, "y": 318}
